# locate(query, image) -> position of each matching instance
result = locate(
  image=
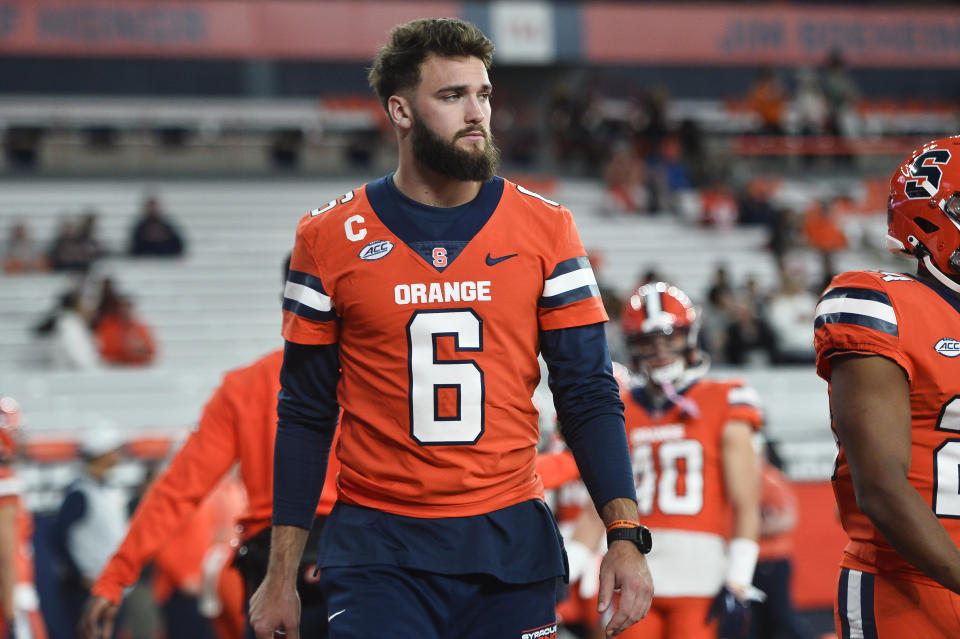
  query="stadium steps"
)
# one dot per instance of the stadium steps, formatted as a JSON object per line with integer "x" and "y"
{"x": 217, "y": 308}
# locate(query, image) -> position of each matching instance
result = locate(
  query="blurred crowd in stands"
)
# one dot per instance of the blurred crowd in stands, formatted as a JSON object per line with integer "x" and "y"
{"x": 92, "y": 323}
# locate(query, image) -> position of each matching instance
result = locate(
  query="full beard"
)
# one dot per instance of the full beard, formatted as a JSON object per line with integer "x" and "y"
{"x": 445, "y": 158}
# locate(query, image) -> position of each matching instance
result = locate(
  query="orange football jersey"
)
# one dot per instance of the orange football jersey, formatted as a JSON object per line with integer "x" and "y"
{"x": 438, "y": 343}
{"x": 676, "y": 457}
{"x": 238, "y": 425}
{"x": 28, "y": 620}
{"x": 10, "y": 493}
{"x": 916, "y": 325}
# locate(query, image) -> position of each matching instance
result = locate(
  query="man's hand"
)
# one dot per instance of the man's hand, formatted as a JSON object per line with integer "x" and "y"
{"x": 625, "y": 569}
{"x": 98, "y": 617}
{"x": 275, "y": 607}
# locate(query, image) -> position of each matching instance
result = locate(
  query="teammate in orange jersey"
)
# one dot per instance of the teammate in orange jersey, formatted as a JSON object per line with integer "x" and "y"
{"x": 237, "y": 425}
{"x": 418, "y": 303}
{"x": 695, "y": 469}
{"x": 887, "y": 343}
{"x": 20, "y": 616}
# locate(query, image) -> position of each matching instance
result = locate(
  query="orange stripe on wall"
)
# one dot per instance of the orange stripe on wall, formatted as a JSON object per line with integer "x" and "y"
{"x": 818, "y": 545}
{"x": 208, "y": 29}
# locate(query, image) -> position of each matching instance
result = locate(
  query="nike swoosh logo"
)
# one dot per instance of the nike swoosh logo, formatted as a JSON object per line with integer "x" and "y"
{"x": 496, "y": 260}
{"x": 339, "y": 612}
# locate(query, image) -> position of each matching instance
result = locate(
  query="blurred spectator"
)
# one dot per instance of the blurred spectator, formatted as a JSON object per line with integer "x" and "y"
{"x": 748, "y": 338}
{"x": 653, "y": 127}
{"x": 20, "y": 254}
{"x": 671, "y": 167}
{"x": 768, "y": 101}
{"x": 718, "y": 206}
{"x": 775, "y": 618}
{"x": 572, "y": 140}
{"x": 106, "y": 298}
{"x": 154, "y": 234}
{"x": 122, "y": 337}
{"x": 823, "y": 229}
{"x": 628, "y": 188}
{"x": 809, "y": 103}
{"x": 72, "y": 344}
{"x": 718, "y": 314}
{"x": 790, "y": 313}
{"x": 783, "y": 231}
{"x": 754, "y": 205}
{"x": 90, "y": 523}
{"x": 75, "y": 247}
{"x": 841, "y": 94}
{"x": 691, "y": 138}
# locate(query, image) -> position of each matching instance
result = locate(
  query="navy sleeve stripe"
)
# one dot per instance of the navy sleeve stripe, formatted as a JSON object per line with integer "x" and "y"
{"x": 856, "y": 293}
{"x": 859, "y": 320}
{"x": 304, "y": 311}
{"x": 305, "y": 279}
{"x": 570, "y": 265}
{"x": 569, "y": 297}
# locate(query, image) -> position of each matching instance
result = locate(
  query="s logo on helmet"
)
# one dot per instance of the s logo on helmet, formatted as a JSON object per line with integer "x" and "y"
{"x": 376, "y": 249}
{"x": 925, "y": 167}
{"x": 948, "y": 347}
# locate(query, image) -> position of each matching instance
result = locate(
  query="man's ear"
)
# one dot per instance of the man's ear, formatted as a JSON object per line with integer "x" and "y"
{"x": 400, "y": 111}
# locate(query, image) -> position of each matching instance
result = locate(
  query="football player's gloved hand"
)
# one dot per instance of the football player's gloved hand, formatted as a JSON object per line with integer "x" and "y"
{"x": 732, "y": 607}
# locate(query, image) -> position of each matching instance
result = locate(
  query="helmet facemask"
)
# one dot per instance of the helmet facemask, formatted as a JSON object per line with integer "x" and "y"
{"x": 660, "y": 355}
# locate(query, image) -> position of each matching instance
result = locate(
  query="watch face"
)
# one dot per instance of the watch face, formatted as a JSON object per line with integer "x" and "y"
{"x": 640, "y": 536}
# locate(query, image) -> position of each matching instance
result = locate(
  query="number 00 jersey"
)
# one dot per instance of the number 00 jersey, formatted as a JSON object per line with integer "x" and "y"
{"x": 438, "y": 339}
{"x": 917, "y": 325}
{"x": 678, "y": 472}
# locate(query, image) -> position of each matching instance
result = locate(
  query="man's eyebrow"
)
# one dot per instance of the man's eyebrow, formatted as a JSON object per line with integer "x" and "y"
{"x": 460, "y": 88}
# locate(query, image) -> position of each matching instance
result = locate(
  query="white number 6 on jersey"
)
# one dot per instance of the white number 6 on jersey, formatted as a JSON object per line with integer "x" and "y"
{"x": 429, "y": 375}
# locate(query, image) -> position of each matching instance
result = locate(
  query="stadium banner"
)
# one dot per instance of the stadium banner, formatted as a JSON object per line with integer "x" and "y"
{"x": 523, "y": 32}
{"x": 329, "y": 30}
{"x": 621, "y": 33}
{"x": 526, "y": 32}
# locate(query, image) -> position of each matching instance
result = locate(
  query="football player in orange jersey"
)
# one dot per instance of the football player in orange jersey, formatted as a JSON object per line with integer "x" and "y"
{"x": 20, "y": 616}
{"x": 888, "y": 344}
{"x": 697, "y": 478}
{"x": 418, "y": 303}
{"x": 237, "y": 426}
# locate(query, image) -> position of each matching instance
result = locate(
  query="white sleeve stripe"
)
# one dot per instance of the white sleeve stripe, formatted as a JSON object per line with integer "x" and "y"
{"x": 568, "y": 282}
{"x": 870, "y": 308}
{"x": 743, "y": 395}
{"x": 307, "y": 296}
{"x": 10, "y": 486}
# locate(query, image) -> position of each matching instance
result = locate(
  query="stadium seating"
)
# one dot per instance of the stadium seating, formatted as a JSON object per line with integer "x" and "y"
{"x": 218, "y": 307}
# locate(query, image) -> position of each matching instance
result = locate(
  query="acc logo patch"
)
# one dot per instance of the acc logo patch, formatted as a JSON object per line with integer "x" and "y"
{"x": 948, "y": 347}
{"x": 376, "y": 249}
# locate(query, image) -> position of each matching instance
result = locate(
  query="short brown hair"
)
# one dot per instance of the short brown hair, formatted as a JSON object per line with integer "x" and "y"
{"x": 397, "y": 65}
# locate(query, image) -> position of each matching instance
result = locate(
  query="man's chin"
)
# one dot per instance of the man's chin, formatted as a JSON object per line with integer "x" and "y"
{"x": 473, "y": 146}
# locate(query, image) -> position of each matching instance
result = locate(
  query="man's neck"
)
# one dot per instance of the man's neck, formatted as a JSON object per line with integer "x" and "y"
{"x": 431, "y": 188}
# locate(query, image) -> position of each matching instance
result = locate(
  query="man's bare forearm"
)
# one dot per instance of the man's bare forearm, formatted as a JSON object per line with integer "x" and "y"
{"x": 286, "y": 549}
{"x": 620, "y": 508}
{"x": 906, "y": 521}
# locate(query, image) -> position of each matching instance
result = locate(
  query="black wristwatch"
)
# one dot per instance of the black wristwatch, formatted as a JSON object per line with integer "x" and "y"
{"x": 639, "y": 535}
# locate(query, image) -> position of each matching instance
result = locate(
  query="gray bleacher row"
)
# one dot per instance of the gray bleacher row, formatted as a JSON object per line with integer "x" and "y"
{"x": 218, "y": 307}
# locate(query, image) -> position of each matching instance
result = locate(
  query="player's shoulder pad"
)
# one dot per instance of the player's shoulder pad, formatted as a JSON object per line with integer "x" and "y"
{"x": 862, "y": 298}
{"x": 334, "y": 210}
{"x": 877, "y": 280}
{"x": 740, "y": 393}
{"x": 531, "y": 199}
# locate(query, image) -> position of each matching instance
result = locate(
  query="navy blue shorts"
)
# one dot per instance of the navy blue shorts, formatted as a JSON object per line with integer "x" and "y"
{"x": 389, "y": 601}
